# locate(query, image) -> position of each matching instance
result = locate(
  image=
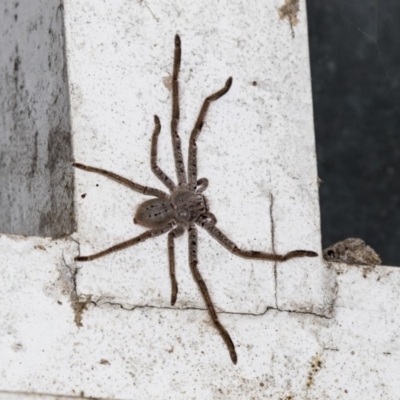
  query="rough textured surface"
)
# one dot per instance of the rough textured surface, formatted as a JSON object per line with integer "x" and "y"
{"x": 105, "y": 328}
{"x": 36, "y": 178}
{"x": 156, "y": 353}
{"x": 256, "y": 149}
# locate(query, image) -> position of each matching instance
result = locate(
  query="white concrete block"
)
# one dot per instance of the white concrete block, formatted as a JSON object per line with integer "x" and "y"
{"x": 257, "y": 149}
{"x": 151, "y": 352}
{"x": 302, "y": 329}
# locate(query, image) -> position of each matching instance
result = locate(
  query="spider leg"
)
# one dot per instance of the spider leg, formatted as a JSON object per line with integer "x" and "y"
{"x": 178, "y": 231}
{"x": 161, "y": 175}
{"x": 176, "y": 140}
{"x": 138, "y": 239}
{"x": 206, "y": 295}
{"x": 123, "y": 181}
{"x": 192, "y": 162}
{"x": 208, "y": 224}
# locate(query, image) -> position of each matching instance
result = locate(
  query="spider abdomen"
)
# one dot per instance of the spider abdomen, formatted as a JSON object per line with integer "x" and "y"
{"x": 154, "y": 213}
{"x": 188, "y": 205}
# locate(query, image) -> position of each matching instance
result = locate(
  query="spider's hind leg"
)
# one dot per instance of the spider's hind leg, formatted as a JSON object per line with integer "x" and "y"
{"x": 206, "y": 295}
{"x": 131, "y": 242}
{"x": 176, "y": 140}
{"x": 123, "y": 181}
{"x": 208, "y": 222}
{"x": 178, "y": 231}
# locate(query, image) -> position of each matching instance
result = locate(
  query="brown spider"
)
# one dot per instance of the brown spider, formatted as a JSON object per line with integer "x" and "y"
{"x": 185, "y": 206}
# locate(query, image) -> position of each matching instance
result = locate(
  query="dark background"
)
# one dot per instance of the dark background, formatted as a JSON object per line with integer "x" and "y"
{"x": 355, "y": 69}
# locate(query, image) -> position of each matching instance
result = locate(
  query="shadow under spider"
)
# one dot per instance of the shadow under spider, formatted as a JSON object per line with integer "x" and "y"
{"x": 185, "y": 206}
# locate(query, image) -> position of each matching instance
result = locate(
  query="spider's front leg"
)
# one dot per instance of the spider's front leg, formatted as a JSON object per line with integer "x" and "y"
{"x": 208, "y": 221}
{"x": 192, "y": 159}
{"x": 158, "y": 172}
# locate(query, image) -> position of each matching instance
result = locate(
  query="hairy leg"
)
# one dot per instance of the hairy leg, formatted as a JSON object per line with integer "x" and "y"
{"x": 123, "y": 181}
{"x": 206, "y": 295}
{"x": 192, "y": 161}
{"x": 158, "y": 172}
{"x": 178, "y": 231}
{"x": 208, "y": 223}
{"x": 138, "y": 239}
{"x": 176, "y": 140}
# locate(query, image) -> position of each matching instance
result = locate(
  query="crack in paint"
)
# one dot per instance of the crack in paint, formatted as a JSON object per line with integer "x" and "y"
{"x": 133, "y": 308}
{"x": 80, "y": 303}
{"x": 271, "y": 217}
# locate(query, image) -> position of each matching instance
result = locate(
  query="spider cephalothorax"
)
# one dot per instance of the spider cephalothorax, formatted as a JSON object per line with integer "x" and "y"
{"x": 184, "y": 207}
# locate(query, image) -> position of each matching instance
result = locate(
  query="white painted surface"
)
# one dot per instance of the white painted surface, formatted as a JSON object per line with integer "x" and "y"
{"x": 257, "y": 145}
{"x": 174, "y": 354}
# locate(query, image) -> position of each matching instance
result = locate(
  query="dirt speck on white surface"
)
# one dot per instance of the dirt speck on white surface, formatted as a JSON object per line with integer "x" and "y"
{"x": 352, "y": 251}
